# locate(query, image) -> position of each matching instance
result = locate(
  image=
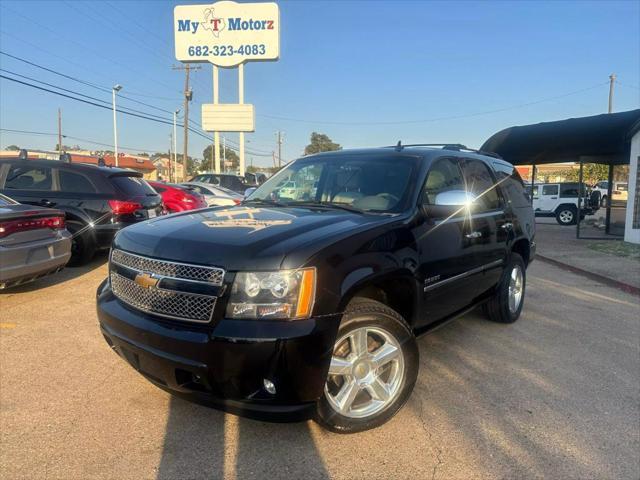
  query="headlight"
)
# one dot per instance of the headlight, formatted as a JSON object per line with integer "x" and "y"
{"x": 285, "y": 294}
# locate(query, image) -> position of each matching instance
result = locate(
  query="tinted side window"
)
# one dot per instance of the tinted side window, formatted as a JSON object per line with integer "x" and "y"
{"x": 132, "y": 186}
{"x": 159, "y": 189}
{"x": 513, "y": 186}
{"x": 550, "y": 190}
{"x": 28, "y": 178}
{"x": 444, "y": 176}
{"x": 480, "y": 182}
{"x": 74, "y": 182}
{"x": 569, "y": 191}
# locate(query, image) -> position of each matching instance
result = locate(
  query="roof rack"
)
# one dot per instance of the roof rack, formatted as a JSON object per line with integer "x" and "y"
{"x": 458, "y": 147}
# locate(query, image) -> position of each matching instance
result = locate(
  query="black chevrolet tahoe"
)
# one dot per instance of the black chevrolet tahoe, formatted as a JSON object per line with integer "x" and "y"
{"x": 306, "y": 299}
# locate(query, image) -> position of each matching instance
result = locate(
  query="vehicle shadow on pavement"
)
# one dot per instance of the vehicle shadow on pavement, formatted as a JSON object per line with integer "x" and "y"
{"x": 522, "y": 400}
{"x": 68, "y": 273}
{"x": 202, "y": 442}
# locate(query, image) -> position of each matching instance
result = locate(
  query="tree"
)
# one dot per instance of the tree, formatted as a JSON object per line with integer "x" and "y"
{"x": 230, "y": 157}
{"x": 13, "y": 148}
{"x": 591, "y": 173}
{"x": 321, "y": 143}
{"x": 64, "y": 147}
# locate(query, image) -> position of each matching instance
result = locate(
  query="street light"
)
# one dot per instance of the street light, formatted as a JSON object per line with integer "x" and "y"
{"x": 175, "y": 148}
{"x": 116, "y": 88}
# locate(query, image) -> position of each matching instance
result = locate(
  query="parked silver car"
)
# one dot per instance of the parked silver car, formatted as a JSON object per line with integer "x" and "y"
{"x": 215, "y": 196}
{"x": 33, "y": 242}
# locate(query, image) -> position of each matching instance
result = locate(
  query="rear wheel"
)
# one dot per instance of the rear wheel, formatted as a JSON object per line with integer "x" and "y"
{"x": 373, "y": 369}
{"x": 507, "y": 302}
{"x": 567, "y": 215}
{"x": 82, "y": 248}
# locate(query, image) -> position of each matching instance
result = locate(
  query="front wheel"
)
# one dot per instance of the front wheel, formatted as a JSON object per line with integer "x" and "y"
{"x": 373, "y": 369}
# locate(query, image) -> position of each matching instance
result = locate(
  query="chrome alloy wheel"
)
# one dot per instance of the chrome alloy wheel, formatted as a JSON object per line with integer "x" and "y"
{"x": 366, "y": 372}
{"x": 566, "y": 216}
{"x": 516, "y": 287}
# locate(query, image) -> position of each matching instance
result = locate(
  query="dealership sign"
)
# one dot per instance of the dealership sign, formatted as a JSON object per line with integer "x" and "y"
{"x": 227, "y": 33}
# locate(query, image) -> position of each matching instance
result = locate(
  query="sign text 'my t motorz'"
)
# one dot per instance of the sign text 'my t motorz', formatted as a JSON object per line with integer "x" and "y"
{"x": 227, "y": 33}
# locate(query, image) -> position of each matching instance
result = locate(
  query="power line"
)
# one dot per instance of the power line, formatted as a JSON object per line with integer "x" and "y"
{"x": 29, "y": 132}
{"x": 85, "y": 101}
{"x": 95, "y": 53}
{"x": 628, "y": 86}
{"x": 428, "y": 120}
{"x": 84, "y": 82}
{"x": 76, "y": 93}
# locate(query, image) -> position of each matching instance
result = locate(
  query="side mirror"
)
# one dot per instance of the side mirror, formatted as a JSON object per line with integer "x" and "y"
{"x": 249, "y": 191}
{"x": 457, "y": 198}
{"x": 447, "y": 204}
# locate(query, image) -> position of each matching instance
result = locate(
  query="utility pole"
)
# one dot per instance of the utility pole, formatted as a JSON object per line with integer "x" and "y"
{"x": 224, "y": 151}
{"x": 170, "y": 153}
{"x": 279, "y": 149}
{"x": 612, "y": 80}
{"x": 188, "y": 95}
{"x": 59, "y": 131}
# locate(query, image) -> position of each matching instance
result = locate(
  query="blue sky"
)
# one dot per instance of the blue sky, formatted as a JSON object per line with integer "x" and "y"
{"x": 353, "y": 70}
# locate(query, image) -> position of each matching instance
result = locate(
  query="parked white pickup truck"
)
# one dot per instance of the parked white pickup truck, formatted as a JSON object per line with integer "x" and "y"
{"x": 560, "y": 200}
{"x": 619, "y": 191}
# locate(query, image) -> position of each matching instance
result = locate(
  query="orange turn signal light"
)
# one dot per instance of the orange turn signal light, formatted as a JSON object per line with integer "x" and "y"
{"x": 307, "y": 293}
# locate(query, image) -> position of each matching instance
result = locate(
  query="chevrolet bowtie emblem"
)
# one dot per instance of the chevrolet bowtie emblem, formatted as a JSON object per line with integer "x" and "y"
{"x": 145, "y": 280}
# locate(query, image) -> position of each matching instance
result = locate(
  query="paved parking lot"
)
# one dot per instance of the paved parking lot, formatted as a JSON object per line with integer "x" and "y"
{"x": 555, "y": 395}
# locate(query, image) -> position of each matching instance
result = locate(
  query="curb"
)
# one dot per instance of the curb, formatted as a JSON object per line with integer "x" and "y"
{"x": 625, "y": 287}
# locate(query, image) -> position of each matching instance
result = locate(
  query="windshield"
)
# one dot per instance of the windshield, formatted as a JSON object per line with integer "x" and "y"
{"x": 368, "y": 184}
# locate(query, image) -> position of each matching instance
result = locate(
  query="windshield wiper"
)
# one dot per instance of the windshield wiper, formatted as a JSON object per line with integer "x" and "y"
{"x": 338, "y": 206}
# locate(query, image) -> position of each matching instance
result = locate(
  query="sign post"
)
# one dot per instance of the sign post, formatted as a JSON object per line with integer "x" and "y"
{"x": 227, "y": 34}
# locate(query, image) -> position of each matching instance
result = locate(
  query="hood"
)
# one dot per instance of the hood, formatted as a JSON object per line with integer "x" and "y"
{"x": 242, "y": 237}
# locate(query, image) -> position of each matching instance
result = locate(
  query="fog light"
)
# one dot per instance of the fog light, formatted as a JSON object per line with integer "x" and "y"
{"x": 269, "y": 386}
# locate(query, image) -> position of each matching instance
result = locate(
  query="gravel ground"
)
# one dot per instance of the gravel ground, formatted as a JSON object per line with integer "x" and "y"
{"x": 556, "y": 395}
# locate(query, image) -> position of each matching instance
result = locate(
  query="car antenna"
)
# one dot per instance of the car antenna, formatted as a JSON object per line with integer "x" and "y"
{"x": 399, "y": 146}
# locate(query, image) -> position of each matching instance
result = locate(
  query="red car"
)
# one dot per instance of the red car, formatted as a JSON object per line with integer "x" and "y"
{"x": 177, "y": 198}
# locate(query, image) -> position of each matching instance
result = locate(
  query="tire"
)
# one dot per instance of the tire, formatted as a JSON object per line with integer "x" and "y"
{"x": 82, "y": 247}
{"x": 498, "y": 308}
{"x": 397, "y": 376}
{"x": 567, "y": 215}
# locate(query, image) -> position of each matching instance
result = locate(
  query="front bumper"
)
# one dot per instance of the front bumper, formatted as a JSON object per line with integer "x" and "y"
{"x": 224, "y": 365}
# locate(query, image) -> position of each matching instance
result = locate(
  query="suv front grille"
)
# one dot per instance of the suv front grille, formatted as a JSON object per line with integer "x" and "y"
{"x": 138, "y": 282}
{"x": 211, "y": 275}
{"x": 167, "y": 303}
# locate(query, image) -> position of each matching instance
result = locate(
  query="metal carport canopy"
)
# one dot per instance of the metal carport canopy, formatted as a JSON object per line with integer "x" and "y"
{"x": 597, "y": 139}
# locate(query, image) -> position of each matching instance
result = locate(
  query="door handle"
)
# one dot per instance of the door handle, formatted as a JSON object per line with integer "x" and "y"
{"x": 554, "y": 198}
{"x": 46, "y": 203}
{"x": 473, "y": 235}
{"x": 507, "y": 226}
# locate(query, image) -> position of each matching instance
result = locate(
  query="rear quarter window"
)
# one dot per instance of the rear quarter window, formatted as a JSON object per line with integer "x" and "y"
{"x": 132, "y": 186}
{"x": 512, "y": 185}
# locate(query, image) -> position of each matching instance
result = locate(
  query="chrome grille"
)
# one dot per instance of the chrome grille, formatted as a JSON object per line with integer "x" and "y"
{"x": 165, "y": 268}
{"x": 167, "y": 303}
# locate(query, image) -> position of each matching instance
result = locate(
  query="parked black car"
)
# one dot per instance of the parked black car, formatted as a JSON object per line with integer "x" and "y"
{"x": 309, "y": 305}
{"x": 97, "y": 201}
{"x": 232, "y": 182}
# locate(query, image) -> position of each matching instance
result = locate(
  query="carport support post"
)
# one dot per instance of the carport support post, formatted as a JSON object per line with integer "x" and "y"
{"x": 607, "y": 206}
{"x": 579, "y": 198}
